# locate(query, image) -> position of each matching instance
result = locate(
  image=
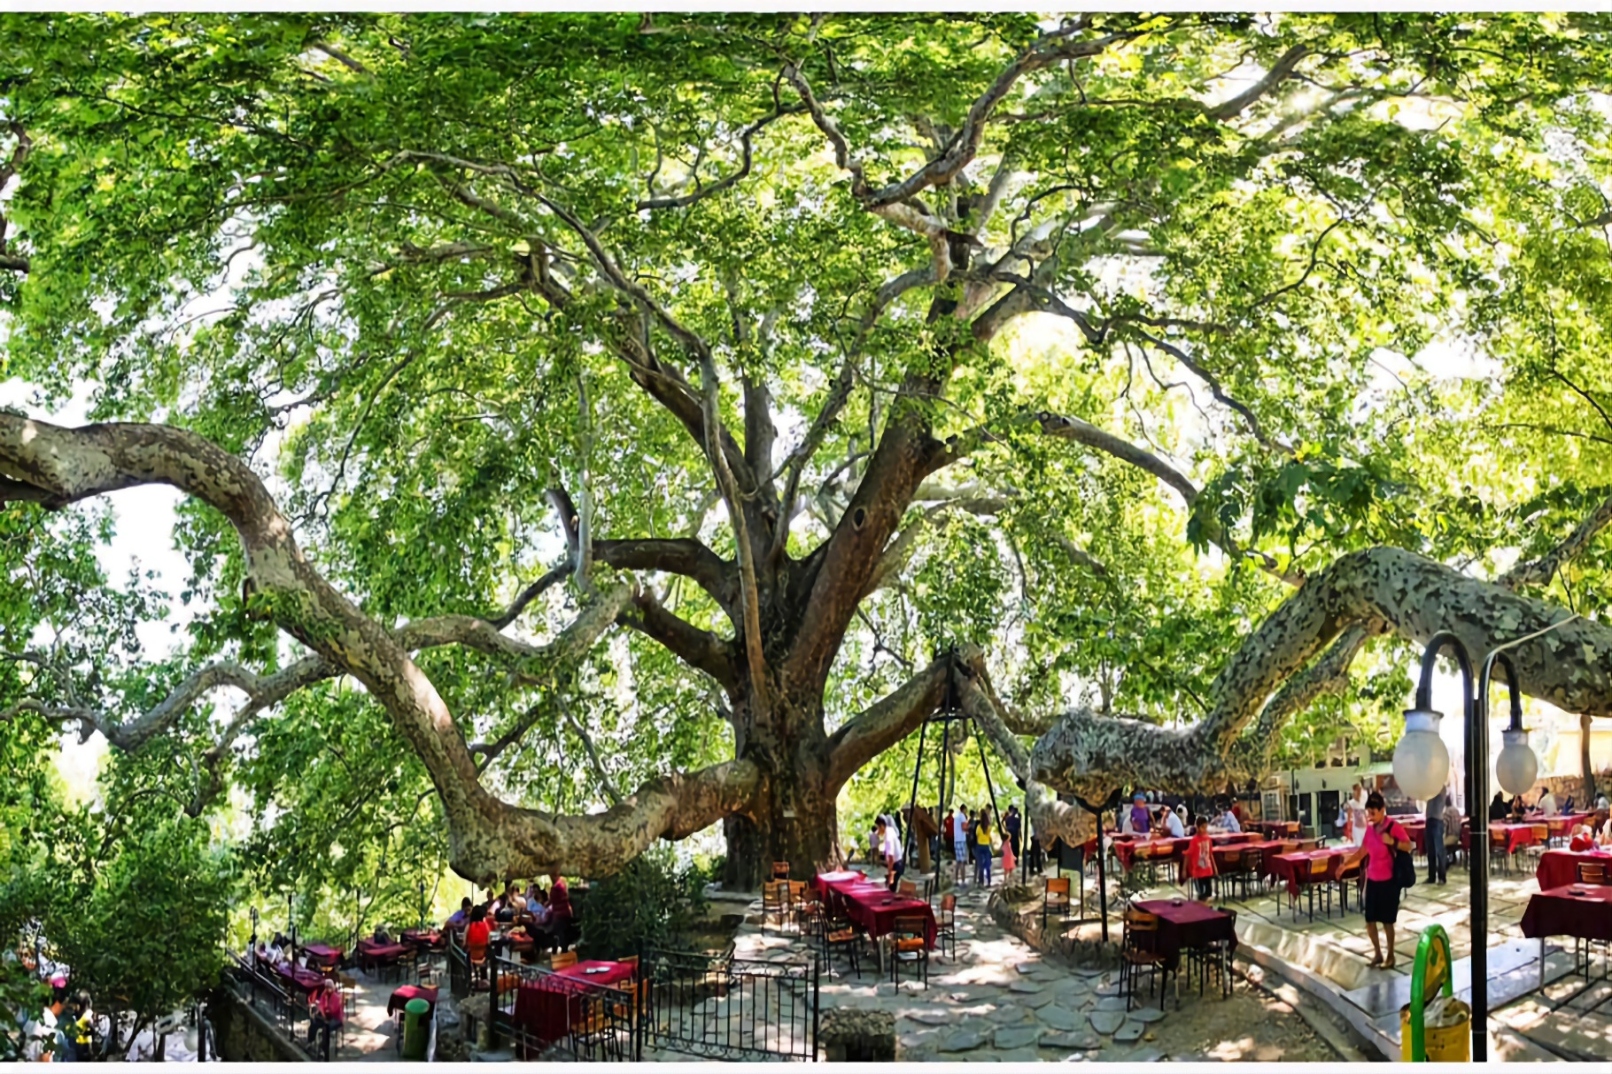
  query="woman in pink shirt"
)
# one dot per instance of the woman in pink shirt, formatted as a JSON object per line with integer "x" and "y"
{"x": 1381, "y": 838}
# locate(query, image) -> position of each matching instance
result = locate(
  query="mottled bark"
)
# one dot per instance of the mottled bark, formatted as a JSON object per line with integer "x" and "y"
{"x": 1415, "y": 597}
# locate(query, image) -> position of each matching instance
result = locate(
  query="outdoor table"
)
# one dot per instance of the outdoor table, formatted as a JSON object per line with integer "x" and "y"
{"x": 403, "y": 993}
{"x": 1294, "y": 869}
{"x": 1517, "y": 835}
{"x": 305, "y": 981}
{"x": 1184, "y": 923}
{"x": 872, "y": 906}
{"x": 326, "y": 956}
{"x": 824, "y": 880}
{"x": 1559, "y": 867}
{"x": 1560, "y": 912}
{"x": 546, "y": 1007}
{"x": 371, "y": 955}
{"x": 1232, "y": 853}
{"x": 424, "y": 939}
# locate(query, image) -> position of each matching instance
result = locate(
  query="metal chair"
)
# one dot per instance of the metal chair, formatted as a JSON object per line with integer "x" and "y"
{"x": 1213, "y": 956}
{"x": 1138, "y": 952}
{"x": 774, "y": 903}
{"x": 946, "y": 924}
{"x": 841, "y": 933}
{"x": 1054, "y": 896}
{"x": 909, "y": 942}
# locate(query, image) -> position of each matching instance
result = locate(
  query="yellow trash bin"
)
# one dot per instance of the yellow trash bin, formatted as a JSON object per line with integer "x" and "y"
{"x": 1446, "y": 1035}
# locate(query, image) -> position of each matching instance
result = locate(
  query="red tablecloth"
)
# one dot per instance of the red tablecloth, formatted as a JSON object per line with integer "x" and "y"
{"x": 370, "y": 953}
{"x": 1191, "y": 924}
{"x": 1232, "y": 853}
{"x": 1294, "y": 869}
{"x": 402, "y": 995}
{"x": 1559, "y": 867}
{"x": 872, "y": 906}
{"x": 548, "y": 1006}
{"x": 323, "y": 951}
{"x": 425, "y": 938}
{"x": 305, "y": 981}
{"x": 1517, "y": 835}
{"x": 1558, "y": 912}
{"x": 824, "y": 880}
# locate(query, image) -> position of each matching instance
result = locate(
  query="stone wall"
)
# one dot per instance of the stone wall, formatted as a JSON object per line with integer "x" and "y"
{"x": 242, "y": 1034}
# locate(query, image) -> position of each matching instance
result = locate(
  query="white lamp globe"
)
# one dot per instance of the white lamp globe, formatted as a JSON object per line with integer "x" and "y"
{"x": 1421, "y": 760}
{"x": 1516, "y": 768}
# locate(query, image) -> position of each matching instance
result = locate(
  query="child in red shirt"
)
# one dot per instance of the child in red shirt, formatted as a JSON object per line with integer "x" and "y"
{"x": 1201, "y": 859}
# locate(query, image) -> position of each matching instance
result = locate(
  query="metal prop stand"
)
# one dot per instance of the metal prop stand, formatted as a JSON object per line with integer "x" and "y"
{"x": 1102, "y": 877}
{"x": 948, "y": 714}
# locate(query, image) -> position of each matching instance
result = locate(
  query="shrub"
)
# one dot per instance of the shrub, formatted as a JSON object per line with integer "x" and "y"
{"x": 650, "y": 903}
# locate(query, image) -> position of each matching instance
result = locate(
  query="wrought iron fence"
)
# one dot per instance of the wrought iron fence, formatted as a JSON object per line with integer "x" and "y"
{"x": 458, "y": 968}
{"x": 552, "y": 1016}
{"x": 268, "y": 995}
{"x": 721, "y": 1007}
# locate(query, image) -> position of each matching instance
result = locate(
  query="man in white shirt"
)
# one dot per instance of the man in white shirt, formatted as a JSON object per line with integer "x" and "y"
{"x": 1172, "y": 824}
{"x": 1547, "y": 803}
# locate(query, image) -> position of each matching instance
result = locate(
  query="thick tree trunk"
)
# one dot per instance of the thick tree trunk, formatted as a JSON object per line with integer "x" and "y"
{"x": 792, "y": 817}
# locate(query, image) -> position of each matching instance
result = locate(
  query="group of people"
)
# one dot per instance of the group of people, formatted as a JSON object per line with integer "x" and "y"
{"x": 542, "y": 915}
{"x": 1139, "y": 819}
{"x": 326, "y": 1011}
{"x": 64, "y": 1031}
{"x": 973, "y": 836}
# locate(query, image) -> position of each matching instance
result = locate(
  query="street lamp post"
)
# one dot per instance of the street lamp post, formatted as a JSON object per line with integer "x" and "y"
{"x": 1422, "y": 765}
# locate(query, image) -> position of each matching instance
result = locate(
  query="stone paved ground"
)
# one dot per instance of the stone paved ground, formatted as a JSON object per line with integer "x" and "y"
{"x": 1000, "y": 1000}
{"x": 1568, "y": 1019}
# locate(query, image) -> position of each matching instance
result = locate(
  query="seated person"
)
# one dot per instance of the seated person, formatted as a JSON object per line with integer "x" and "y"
{"x": 510, "y": 905}
{"x": 1227, "y": 821}
{"x": 1581, "y": 838}
{"x": 325, "y": 1013}
{"x": 460, "y": 918}
{"x": 478, "y": 932}
{"x": 1604, "y": 840}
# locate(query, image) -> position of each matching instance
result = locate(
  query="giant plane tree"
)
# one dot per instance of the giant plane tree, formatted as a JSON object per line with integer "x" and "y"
{"x": 668, "y": 412}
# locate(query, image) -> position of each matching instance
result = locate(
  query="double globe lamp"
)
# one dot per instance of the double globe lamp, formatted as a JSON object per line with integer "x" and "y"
{"x": 1422, "y": 769}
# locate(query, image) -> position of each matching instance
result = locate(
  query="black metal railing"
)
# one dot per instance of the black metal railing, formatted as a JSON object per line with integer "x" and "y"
{"x": 458, "y": 968}
{"x": 283, "y": 1007}
{"x": 721, "y": 1007}
{"x": 551, "y": 1016}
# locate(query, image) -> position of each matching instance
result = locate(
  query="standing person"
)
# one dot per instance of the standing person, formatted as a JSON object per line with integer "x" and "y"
{"x": 1008, "y": 857}
{"x": 39, "y": 1034}
{"x": 982, "y": 846}
{"x": 1381, "y": 839}
{"x": 1138, "y": 821}
{"x": 959, "y": 845}
{"x": 1453, "y": 823}
{"x": 1437, "y": 864}
{"x": 1012, "y": 825}
{"x": 1201, "y": 860}
{"x": 890, "y": 851}
{"x": 1355, "y": 815}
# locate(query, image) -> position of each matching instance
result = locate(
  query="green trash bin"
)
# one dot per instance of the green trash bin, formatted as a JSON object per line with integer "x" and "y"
{"x": 415, "y": 1032}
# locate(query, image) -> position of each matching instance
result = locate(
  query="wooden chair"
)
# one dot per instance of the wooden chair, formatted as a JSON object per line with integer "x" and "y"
{"x": 349, "y": 1003}
{"x": 1291, "y": 829}
{"x": 1212, "y": 957}
{"x": 1350, "y": 872}
{"x": 780, "y": 870}
{"x": 909, "y": 942}
{"x": 774, "y": 903}
{"x": 800, "y": 895}
{"x": 629, "y": 960}
{"x": 561, "y": 959}
{"x": 1318, "y": 877}
{"x": 907, "y": 889}
{"x": 1592, "y": 872}
{"x": 1251, "y": 871}
{"x": 476, "y": 952}
{"x": 1541, "y": 841}
{"x": 946, "y": 923}
{"x": 840, "y": 934}
{"x": 1054, "y": 896}
{"x": 1138, "y": 952}
{"x": 1498, "y": 851}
